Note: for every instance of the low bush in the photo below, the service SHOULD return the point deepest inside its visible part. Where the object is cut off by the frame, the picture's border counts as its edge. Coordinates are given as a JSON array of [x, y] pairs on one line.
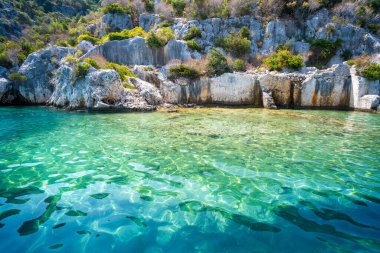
[[371, 72], [4, 61], [82, 69], [193, 45], [194, 32], [160, 38], [179, 7], [322, 51], [17, 77], [89, 38], [283, 59], [217, 63], [239, 65], [126, 34], [92, 62], [117, 8], [183, 71], [235, 45], [122, 70], [245, 32]]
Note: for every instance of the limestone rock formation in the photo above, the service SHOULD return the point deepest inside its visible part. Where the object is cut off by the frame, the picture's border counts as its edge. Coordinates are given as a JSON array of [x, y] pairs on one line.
[[39, 68], [115, 23], [6, 96], [135, 51]]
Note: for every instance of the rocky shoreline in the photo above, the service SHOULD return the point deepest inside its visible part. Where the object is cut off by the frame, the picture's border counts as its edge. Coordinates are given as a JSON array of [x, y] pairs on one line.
[[50, 79]]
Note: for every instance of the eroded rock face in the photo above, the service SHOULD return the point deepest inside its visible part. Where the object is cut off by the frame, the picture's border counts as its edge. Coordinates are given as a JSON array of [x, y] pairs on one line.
[[148, 21], [84, 46], [39, 69], [135, 51], [115, 23], [364, 93], [101, 90], [6, 96], [327, 88]]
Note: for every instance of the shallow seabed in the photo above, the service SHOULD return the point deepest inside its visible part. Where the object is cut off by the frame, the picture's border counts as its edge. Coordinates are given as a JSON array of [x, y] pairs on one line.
[[201, 180]]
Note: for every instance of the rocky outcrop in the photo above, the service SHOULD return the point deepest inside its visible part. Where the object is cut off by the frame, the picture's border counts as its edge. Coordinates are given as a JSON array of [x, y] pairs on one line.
[[327, 88], [330, 88], [101, 90], [84, 46], [135, 51], [148, 21], [39, 68], [364, 93], [6, 96], [115, 23]]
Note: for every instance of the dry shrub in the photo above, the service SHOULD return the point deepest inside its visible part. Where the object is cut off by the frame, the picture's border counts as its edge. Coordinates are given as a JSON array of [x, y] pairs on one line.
[[272, 8], [314, 5], [100, 60], [138, 6], [164, 10], [198, 64], [238, 8], [108, 2], [346, 11]]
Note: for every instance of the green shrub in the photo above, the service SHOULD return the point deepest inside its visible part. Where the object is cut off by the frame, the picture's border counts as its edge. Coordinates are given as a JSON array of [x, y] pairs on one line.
[[166, 23], [17, 77], [160, 38], [89, 38], [245, 32], [283, 59], [62, 43], [70, 59], [193, 45], [126, 34], [92, 62], [235, 45], [179, 7], [117, 8], [183, 71], [217, 63], [5, 62], [149, 5], [122, 70], [239, 65], [78, 53], [323, 50], [371, 72], [346, 55], [194, 32], [82, 69]]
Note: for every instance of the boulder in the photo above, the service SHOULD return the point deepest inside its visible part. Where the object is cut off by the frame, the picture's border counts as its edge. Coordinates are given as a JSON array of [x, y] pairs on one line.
[[39, 68], [6, 95], [148, 21], [98, 90], [85, 46], [148, 91], [115, 23], [327, 88], [369, 102]]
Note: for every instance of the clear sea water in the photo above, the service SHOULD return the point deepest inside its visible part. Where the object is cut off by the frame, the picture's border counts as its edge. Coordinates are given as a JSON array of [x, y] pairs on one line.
[[201, 180]]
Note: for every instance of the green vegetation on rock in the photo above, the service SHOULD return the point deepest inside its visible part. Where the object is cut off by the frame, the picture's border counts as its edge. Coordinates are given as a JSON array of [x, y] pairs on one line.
[[194, 32], [283, 58], [217, 63], [160, 38], [183, 71]]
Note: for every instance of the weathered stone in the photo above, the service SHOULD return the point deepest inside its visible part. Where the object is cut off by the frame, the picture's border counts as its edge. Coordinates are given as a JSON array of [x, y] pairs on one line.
[[135, 51], [6, 95], [148, 21], [85, 46], [39, 68], [115, 23], [327, 88], [148, 91]]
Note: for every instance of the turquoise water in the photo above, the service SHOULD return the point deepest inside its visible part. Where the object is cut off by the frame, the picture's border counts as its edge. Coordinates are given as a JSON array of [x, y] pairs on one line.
[[201, 180]]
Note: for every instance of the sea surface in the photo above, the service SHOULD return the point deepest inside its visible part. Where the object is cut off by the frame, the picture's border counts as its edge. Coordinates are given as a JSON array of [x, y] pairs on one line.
[[200, 180]]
